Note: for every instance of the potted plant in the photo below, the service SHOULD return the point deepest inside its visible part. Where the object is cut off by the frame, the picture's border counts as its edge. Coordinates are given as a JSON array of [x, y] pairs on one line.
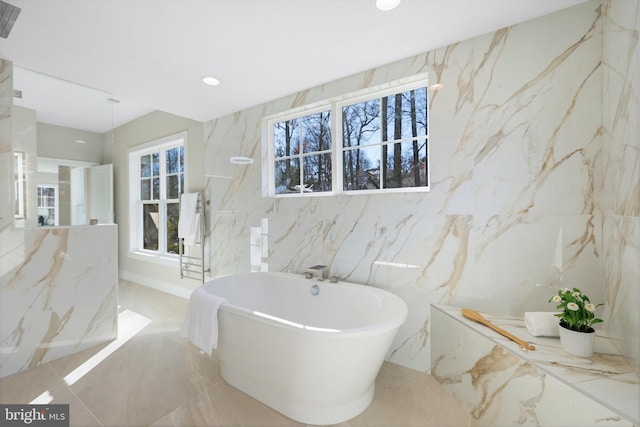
[[576, 320]]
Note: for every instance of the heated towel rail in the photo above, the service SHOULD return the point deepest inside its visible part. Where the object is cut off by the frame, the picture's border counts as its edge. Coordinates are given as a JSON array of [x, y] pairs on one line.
[[193, 263]]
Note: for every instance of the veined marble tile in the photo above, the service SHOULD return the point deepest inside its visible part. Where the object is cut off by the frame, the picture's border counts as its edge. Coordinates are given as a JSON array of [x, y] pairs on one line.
[[6, 153], [446, 350], [517, 174], [6, 213], [62, 297], [620, 112], [621, 176], [501, 383], [6, 96], [535, 256], [621, 272]]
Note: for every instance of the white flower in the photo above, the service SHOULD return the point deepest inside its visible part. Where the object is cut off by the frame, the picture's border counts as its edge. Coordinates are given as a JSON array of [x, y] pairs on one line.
[[556, 298], [590, 307], [576, 294], [573, 306]]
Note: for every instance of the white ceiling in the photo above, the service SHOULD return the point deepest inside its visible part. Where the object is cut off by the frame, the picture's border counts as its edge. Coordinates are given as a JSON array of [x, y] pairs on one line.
[[152, 54]]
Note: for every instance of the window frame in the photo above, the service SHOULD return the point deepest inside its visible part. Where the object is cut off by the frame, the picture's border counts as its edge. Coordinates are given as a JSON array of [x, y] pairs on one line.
[[136, 204], [39, 199], [295, 114], [335, 105]]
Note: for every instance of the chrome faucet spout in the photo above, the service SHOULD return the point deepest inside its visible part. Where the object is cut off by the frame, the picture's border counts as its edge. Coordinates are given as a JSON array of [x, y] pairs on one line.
[[320, 271]]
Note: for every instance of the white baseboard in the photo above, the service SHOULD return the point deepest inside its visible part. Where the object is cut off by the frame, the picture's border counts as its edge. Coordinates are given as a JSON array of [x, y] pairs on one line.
[[159, 285]]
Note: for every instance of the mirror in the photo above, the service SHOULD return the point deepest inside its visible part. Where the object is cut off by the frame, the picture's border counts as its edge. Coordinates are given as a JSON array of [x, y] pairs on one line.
[[61, 144]]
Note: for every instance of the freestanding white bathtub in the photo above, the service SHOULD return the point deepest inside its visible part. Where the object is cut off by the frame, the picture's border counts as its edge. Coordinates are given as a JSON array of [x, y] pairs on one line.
[[314, 358]]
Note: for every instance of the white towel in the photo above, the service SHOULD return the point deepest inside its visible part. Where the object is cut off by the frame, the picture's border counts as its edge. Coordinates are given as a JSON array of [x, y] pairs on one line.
[[201, 323], [542, 323], [189, 223]]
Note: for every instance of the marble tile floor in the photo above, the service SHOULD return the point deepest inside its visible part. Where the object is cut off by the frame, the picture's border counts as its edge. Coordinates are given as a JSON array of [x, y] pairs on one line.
[[156, 378]]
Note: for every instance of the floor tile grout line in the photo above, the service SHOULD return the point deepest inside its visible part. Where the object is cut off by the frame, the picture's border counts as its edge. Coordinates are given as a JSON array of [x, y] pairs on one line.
[[95, 417], [70, 390], [186, 403], [55, 372]]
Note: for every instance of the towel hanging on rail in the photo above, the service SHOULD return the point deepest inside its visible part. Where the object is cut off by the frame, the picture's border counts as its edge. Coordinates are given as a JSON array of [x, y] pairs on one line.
[[201, 323], [189, 223]]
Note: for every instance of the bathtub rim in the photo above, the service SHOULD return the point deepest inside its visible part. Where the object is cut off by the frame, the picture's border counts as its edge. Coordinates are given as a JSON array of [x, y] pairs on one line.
[[375, 328]]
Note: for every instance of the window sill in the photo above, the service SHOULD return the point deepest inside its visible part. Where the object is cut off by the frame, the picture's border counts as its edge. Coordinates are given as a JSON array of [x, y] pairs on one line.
[[402, 190], [156, 259]]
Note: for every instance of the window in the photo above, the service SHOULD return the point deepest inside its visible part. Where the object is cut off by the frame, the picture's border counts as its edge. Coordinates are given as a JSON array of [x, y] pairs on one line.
[[370, 142], [384, 142], [302, 154], [47, 205], [156, 180]]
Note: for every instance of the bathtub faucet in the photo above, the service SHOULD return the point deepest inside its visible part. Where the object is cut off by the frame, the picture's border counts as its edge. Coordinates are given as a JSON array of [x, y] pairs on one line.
[[320, 271]]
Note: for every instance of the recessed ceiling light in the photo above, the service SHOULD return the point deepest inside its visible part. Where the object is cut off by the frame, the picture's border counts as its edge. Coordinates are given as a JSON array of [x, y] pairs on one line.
[[387, 4], [79, 141], [210, 81]]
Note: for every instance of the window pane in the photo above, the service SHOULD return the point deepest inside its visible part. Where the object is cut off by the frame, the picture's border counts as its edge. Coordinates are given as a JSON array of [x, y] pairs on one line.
[[418, 110], [393, 175], [172, 187], [286, 138], [393, 119], [416, 154], [173, 160], [362, 169], [145, 166], [317, 173], [406, 165], [181, 183], [156, 164], [173, 213], [406, 115], [150, 220], [156, 188], [361, 123], [316, 132], [50, 217], [287, 176], [145, 189]]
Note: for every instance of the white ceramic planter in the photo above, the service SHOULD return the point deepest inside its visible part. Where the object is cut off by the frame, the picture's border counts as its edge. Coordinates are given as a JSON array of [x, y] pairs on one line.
[[577, 343]]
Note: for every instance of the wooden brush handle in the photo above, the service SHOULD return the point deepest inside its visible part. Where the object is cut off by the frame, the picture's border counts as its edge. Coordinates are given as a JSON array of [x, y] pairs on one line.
[[474, 315]]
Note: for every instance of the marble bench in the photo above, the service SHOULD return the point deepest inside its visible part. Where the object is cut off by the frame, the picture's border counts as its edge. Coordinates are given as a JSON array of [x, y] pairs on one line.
[[502, 384]]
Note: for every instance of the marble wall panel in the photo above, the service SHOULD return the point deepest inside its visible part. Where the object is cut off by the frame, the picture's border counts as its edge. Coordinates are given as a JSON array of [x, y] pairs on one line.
[[58, 286], [534, 255], [501, 385], [516, 182], [61, 299], [621, 176], [621, 272], [6, 90]]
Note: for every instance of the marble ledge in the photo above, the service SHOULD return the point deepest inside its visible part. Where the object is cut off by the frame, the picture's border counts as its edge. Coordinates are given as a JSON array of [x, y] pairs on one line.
[[606, 377]]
